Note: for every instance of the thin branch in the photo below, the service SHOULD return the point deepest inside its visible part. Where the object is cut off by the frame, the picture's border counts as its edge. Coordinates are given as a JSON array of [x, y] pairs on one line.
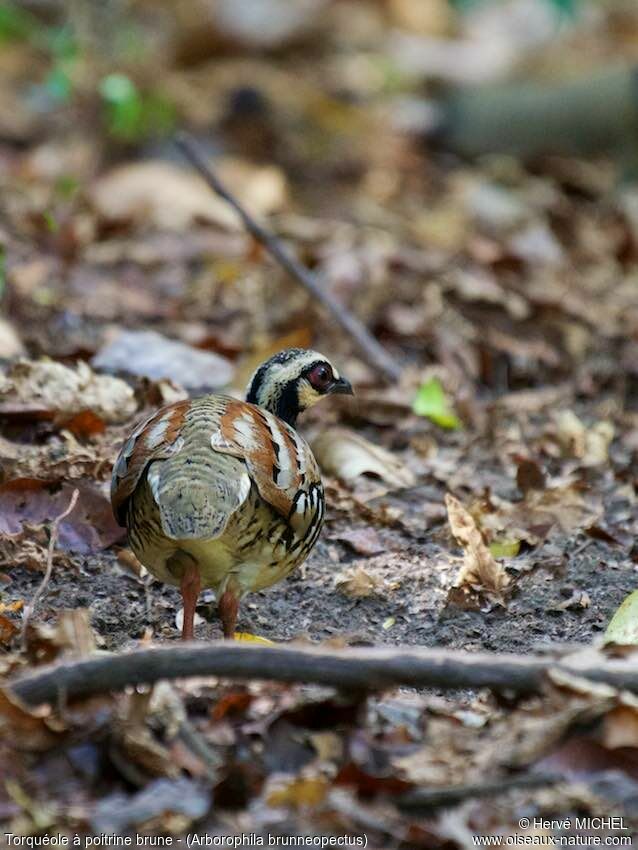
[[370, 348], [347, 669], [53, 539], [429, 799]]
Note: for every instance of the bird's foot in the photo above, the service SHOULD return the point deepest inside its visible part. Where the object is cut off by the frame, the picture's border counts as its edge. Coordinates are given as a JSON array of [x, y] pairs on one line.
[[190, 586], [228, 607]]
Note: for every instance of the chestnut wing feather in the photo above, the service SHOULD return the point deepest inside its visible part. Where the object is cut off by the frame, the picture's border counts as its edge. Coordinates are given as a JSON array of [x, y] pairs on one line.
[[279, 461], [155, 438], [197, 490]]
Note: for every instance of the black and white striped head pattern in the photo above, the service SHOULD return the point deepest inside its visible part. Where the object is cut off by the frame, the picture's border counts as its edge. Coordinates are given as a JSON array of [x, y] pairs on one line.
[[292, 381]]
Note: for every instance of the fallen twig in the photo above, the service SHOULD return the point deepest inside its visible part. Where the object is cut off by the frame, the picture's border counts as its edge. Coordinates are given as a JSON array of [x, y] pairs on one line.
[[373, 351], [53, 539], [348, 669], [428, 799]]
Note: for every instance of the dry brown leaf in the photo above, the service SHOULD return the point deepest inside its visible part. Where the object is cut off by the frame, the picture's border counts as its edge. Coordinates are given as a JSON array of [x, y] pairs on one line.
[[345, 502], [620, 726], [480, 569], [357, 583], [12, 607], [74, 634], [26, 729], [166, 196], [589, 445], [19, 550], [70, 635], [298, 793], [49, 390], [138, 747], [88, 528], [7, 629], [62, 457], [529, 475], [347, 455], [564, 507], [328, 745], [10, 342]]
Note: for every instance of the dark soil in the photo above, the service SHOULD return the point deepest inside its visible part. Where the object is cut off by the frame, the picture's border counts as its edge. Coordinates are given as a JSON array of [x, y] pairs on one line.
[[308, 607]]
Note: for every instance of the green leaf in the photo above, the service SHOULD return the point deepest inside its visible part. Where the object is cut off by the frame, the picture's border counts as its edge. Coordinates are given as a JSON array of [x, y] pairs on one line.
[[118, 88], [566, 8], [61, 43], [505, 548], [66, 186], [431, 401], [15, 23], [131, 114], [623, 627], [51, 221], [563, 7]]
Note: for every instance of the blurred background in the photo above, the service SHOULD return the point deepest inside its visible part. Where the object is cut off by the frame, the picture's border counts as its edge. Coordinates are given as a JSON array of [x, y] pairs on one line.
[[459, 174]]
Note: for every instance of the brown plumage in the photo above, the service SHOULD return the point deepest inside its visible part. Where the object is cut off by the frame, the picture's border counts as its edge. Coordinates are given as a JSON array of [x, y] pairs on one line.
[[222, 493]]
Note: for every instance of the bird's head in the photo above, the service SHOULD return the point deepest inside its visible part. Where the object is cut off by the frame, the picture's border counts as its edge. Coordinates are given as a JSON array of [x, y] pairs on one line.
[[292, 381]]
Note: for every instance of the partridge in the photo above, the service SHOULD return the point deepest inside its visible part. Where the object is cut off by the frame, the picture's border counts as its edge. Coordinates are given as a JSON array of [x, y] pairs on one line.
[[225, 494]]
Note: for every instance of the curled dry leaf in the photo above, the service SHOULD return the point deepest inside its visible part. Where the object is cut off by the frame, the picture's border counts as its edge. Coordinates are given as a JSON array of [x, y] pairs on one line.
[[88, 528], [61, 457], [70, 635], [24, 728], [43, 389], [564, 508], [620, 725], [166, 196], [589, 445], [345, 502], [578, 599], [357, 583], [347, 455], [136, 745], [623, 626], [480, 569], [20, 550]]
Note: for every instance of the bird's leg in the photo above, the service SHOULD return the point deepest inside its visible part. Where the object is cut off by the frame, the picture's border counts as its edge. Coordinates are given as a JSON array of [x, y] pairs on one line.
[[228, 608], [190, 586]]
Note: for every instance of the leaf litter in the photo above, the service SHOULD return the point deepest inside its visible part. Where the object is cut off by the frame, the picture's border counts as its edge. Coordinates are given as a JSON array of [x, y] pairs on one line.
[[508, 294]]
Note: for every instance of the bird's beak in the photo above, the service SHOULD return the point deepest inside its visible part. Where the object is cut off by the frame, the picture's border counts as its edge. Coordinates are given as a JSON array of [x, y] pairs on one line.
[[342, 387]]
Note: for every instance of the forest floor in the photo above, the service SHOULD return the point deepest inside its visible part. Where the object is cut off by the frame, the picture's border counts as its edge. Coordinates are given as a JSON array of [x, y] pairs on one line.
[[508, 294]]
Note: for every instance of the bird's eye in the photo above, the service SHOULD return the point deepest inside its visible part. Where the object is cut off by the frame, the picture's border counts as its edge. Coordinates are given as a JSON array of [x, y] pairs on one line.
[[320, 377]]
